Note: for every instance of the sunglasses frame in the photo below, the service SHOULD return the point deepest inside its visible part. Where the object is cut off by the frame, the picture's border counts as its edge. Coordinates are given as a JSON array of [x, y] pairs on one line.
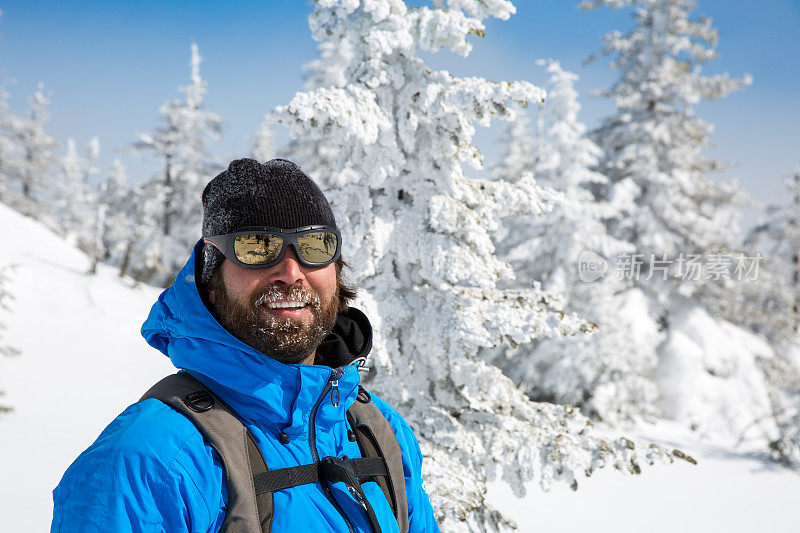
[[225, 243]]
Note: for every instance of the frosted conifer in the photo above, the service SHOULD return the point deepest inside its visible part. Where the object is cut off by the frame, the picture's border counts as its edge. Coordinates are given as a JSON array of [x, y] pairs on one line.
[[76, 195], [767, 301], [7, 143], [605, 374], [783, 377], [5, 296], [182, 144], [113, 218], [29, 166], [391, 143], [769, 304], [652, 144]]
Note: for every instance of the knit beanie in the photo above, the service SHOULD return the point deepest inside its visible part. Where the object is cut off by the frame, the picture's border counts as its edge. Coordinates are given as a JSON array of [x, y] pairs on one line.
[[276, 194]]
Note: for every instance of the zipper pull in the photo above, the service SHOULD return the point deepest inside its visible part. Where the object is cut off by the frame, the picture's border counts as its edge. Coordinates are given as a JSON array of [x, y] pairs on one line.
[[335, 393], [336, 373]]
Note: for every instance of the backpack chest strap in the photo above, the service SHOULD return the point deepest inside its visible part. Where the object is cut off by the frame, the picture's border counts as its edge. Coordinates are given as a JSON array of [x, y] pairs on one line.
[[251, 484], [330, 469]]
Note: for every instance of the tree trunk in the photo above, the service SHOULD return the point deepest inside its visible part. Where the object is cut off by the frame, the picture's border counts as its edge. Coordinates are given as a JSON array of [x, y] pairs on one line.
[[126, 259], [167, 193]]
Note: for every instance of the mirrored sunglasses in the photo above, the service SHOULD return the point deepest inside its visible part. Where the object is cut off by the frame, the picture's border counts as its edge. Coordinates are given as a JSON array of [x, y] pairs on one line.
[[262, 247]]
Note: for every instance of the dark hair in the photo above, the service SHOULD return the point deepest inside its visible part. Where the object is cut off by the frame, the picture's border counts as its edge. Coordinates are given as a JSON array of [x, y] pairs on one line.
[[347, 292]]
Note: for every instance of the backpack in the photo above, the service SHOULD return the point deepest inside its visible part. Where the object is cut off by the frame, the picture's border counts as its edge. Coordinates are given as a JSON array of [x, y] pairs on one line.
[[251, 507]]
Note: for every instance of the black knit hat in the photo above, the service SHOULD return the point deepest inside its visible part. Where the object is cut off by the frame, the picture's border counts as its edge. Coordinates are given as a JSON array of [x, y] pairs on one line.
[[276, 194]]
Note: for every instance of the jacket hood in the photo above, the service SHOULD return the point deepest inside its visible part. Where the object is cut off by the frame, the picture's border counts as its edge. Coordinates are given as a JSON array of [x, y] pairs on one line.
[[260, 389]]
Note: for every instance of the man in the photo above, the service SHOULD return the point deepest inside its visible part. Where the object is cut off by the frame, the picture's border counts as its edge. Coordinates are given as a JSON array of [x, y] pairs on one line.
[[268, 331]]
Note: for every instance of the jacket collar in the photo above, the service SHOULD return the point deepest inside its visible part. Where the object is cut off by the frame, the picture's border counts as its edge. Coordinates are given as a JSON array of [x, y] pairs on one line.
[[260, 389]]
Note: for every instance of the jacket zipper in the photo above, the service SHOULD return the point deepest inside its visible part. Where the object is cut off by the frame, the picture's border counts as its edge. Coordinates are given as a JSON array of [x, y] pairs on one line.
[[331, 385]]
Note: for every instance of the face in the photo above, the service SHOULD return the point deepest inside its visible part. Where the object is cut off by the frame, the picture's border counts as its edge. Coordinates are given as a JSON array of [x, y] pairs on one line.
[[283, 311]]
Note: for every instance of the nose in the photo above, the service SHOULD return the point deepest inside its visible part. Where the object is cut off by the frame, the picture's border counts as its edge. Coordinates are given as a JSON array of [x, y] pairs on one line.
[[288, 270]]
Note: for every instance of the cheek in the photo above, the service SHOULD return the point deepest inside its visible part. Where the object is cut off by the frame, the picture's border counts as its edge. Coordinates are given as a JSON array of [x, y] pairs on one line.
[[240, 283], [325, 283]]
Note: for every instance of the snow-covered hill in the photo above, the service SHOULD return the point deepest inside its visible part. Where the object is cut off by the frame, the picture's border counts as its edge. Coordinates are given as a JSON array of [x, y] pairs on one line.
[[83, 361]]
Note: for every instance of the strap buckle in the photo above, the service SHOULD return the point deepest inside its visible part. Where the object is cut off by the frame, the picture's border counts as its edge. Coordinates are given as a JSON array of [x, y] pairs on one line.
[[333, 469]]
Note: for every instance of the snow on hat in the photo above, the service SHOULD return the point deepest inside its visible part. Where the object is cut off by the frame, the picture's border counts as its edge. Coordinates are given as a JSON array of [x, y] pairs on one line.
[[276, 194]]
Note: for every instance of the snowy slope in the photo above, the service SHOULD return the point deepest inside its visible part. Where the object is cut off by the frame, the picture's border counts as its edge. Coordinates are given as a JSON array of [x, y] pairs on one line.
[[83, 361]]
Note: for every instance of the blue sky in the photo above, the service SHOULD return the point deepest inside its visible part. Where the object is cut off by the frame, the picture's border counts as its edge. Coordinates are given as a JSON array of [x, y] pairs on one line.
[[108, 65]]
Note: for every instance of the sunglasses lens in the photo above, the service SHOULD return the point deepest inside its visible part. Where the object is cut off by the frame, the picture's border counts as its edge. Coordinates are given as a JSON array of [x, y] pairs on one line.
[[318, 247], [257, 248]]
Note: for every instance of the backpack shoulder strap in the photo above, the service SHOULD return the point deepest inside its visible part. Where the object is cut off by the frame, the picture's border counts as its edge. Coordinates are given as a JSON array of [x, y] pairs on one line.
[[376, 438], [246, 511]]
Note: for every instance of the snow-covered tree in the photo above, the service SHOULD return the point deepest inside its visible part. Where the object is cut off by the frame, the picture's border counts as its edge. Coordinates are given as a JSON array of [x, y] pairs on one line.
[[517, 144], [182, 144], [7, 143], [113, 218], [28, 167], [783, 377], [605, 374], [264, 144], [138, 258], [392, 140], [76, 195], [652, 144], [5, 296], [768, 301]]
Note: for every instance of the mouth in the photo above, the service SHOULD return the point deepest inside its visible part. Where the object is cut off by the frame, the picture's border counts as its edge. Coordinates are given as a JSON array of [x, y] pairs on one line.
[[286, 304], [286, 308]]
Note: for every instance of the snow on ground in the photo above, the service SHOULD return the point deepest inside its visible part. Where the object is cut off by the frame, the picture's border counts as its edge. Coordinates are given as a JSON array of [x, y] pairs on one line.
[[726, 491], [710, 379], [83, 361]]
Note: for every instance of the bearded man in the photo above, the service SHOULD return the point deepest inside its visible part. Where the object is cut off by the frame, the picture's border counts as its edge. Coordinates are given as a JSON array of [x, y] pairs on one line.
[[266, 426]]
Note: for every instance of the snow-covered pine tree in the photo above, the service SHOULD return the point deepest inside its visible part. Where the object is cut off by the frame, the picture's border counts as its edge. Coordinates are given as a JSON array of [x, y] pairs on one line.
[[392, 140], [783, 378], [182, 144], [27, 168], [140, 217], [516, 141], [112, 218], [768, 303], [7, 143], [5, 296], [605, 374], [76, 196], [652, 144], [652, 155]]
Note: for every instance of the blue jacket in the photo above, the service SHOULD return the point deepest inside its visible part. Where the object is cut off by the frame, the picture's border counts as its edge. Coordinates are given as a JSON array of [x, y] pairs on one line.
[[150, 469]]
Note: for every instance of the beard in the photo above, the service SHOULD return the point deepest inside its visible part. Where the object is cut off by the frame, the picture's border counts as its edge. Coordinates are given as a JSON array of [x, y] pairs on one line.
[[286, 340]]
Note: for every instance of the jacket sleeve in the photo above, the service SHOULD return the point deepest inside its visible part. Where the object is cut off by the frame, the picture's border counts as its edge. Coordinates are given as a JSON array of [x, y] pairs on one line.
[[420, 512], [148, 471]]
